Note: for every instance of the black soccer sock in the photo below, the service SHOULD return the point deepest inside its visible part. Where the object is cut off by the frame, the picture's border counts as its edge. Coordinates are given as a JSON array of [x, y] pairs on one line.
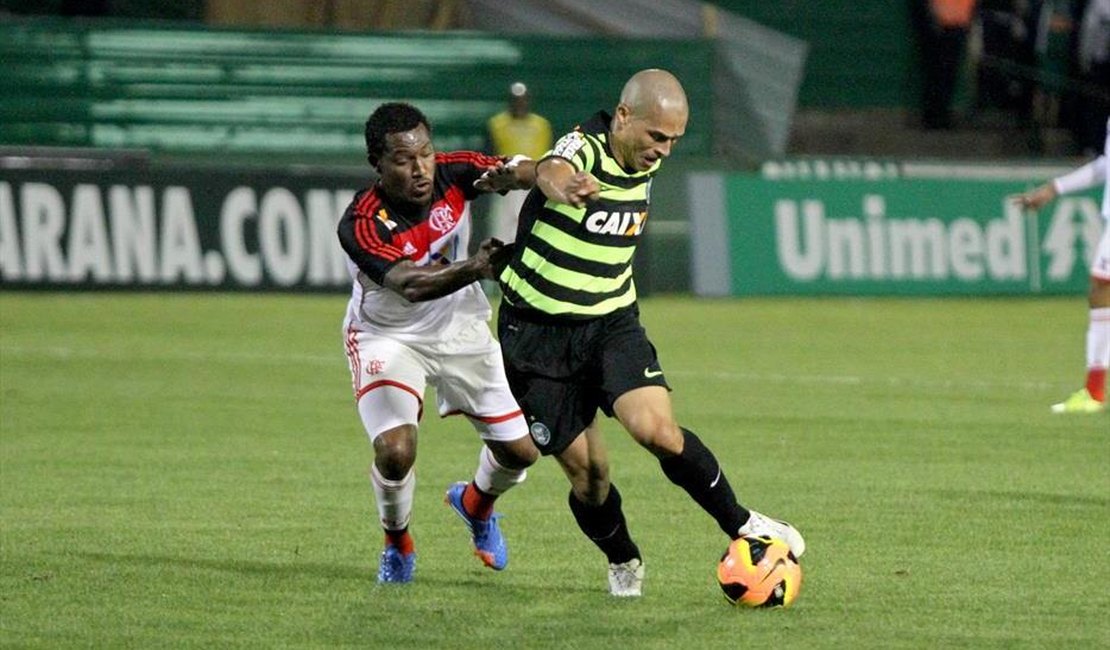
[[696, 470], [605, 526]]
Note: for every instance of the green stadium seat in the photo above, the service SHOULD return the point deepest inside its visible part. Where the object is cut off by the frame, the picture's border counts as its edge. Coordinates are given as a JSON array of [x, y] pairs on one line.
[[294, 96]]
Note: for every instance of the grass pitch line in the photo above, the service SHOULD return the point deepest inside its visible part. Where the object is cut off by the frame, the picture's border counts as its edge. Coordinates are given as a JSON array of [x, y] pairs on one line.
[[63, 353], [855, 380]]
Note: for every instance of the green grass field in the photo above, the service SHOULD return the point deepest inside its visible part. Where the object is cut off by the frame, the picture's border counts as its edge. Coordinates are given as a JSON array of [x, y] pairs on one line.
[[186, 470]]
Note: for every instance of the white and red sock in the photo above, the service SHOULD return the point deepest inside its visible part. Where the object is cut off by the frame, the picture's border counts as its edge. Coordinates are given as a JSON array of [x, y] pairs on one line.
[[393, 498], [1098, 352], [491, 480], [400, 539]]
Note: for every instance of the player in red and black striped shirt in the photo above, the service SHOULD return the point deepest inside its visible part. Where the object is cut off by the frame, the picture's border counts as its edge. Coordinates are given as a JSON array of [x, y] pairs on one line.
[[417, 316]]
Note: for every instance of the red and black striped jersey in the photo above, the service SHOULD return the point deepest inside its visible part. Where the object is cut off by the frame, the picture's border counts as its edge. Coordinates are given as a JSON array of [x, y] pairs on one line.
[[377, 236]]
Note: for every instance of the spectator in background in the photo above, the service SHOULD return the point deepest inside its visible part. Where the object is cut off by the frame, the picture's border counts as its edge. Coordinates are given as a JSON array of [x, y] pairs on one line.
[[85, 7], [515, 131], [1094, 70], [1008, 64], [942, 27], [1053, 47], [1092, 397]]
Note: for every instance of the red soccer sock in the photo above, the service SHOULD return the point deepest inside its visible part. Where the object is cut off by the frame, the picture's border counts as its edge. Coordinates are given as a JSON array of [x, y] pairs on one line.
[[1096, 383], [401, 539], [476, 503]]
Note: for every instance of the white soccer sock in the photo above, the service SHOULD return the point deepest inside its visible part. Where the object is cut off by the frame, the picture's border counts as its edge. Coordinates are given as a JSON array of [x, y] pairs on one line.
[[393, 498], [492, 478], [1098, 339]]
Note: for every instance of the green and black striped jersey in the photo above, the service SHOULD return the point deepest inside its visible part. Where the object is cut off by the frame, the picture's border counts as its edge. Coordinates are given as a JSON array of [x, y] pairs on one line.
[[576, 263]]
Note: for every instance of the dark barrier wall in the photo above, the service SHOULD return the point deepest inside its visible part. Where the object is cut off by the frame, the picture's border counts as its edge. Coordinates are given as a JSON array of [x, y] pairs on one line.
[[173, 228], [177, 227], [186, 227]]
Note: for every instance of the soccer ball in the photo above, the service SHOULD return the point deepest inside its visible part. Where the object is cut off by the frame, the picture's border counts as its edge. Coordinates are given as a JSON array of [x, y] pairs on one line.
[[759, 571]]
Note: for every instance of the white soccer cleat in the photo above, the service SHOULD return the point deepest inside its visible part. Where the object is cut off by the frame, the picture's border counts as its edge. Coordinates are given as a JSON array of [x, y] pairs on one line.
[[626, 579], [759, 524]]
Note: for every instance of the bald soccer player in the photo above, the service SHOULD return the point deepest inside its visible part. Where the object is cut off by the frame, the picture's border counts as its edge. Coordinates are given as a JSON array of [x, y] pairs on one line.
[[570, 330]]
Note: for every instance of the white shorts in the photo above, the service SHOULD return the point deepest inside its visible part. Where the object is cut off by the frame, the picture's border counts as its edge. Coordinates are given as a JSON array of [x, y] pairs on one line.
[[1100, 265], [465, 368]]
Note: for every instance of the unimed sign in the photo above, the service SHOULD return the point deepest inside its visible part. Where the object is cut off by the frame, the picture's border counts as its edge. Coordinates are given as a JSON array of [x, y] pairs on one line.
[[897, 237], [188, 228]]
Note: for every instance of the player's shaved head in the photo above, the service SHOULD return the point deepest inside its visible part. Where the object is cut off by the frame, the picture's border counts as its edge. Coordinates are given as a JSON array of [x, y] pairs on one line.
[[653, 90], [649, 120]]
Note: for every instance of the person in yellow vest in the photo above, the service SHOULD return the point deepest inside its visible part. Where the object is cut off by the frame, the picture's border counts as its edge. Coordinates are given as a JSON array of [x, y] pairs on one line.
[[515, 131]]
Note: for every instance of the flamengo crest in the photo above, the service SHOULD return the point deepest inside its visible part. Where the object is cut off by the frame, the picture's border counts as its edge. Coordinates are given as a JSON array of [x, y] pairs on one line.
[[441, 219]]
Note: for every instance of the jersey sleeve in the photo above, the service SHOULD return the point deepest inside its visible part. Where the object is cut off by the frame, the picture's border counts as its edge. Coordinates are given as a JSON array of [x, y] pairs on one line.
[[462, 168], [1086, 177], [365, 234], [576, 148]]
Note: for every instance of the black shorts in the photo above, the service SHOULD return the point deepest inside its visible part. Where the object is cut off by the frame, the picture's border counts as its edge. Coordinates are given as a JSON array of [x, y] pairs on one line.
[[561, 372]]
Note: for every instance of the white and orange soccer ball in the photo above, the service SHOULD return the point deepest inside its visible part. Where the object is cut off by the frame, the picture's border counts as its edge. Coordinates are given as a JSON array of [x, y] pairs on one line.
[[759, 571]]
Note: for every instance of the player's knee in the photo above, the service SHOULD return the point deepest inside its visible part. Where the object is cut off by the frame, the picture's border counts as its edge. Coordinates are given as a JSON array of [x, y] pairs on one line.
[[395, 452], [514, 454], [526, 453], [658, 434]]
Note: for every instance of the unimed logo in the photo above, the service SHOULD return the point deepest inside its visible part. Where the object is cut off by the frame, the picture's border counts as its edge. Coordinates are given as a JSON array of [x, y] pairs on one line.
[[874, 245]]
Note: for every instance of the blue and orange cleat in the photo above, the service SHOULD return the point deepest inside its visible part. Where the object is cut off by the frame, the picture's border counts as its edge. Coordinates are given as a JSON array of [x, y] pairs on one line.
[[489, 545], [396, 567]]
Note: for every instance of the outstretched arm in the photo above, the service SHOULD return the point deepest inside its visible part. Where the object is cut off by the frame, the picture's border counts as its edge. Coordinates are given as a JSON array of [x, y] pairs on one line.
[[519, 173], [1087, 176], [560, 182], [420, 283], [1036, 198]]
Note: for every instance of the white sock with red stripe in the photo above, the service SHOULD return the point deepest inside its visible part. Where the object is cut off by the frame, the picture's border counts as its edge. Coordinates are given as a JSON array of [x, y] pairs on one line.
[[494, 479]]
